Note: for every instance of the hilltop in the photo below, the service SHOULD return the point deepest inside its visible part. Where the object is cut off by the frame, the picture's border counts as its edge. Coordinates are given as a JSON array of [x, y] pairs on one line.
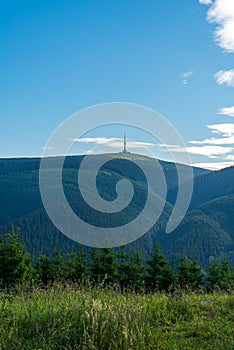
[[206, 231]]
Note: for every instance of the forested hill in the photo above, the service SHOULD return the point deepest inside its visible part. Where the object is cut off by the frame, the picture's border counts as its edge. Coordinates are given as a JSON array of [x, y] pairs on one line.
[[11, 166], [19, 180], [206, 231], [209, 186]]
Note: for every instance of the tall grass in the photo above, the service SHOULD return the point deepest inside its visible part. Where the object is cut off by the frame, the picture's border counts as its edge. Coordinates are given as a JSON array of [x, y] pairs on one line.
[[95, 318]]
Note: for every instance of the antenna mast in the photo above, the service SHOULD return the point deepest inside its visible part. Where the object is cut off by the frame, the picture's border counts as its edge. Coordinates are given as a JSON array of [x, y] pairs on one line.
[[125, 144]]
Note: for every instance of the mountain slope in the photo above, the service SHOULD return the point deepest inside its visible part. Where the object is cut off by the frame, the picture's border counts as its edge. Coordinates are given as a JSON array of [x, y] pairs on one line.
[[220, 210], [19, 189], [21, 204], [206, 231], [199, 238], [41, 235], [208, 187]]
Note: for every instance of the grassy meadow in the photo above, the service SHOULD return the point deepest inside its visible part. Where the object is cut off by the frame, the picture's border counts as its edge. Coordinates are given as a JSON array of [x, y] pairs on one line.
[[99, 318]]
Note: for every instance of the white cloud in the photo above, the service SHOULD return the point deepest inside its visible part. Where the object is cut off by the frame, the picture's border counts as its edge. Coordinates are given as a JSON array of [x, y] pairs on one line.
[[230, 157], [215, 147], [185, 76], [211, 148], [226, 129], [46, 148], [96, 140], [213, 166], [112, 142], [229, 111], [184, 82], [205, 2], [210, 151], [225, 77], [222, 13], [214, 141]]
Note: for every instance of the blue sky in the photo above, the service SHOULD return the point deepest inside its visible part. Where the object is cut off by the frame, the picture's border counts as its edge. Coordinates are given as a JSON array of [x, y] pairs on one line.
[[60, 56]]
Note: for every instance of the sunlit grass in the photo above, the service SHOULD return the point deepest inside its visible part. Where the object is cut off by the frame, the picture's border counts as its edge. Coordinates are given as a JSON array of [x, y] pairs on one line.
[[96, 318]]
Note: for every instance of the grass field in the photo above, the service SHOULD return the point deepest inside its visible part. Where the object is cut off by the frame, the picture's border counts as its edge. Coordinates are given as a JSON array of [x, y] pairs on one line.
[[95, 318]]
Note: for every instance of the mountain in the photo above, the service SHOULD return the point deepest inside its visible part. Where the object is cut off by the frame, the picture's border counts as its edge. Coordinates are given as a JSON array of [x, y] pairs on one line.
[[208, 228], [200, 238], [208, 186], [221, 211], [19, 179], [206, 231]]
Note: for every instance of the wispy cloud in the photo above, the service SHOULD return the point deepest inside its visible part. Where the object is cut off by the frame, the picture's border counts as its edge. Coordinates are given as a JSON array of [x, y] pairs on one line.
[[112, 142], [229, 111], [213, 165], [210, 148], [205, 2], [210, 151], [230, 157], [47, 148], [96, 140], [226, 131], [225, 77], [222, 13], [215, 141], [185, 76], [216, 146]]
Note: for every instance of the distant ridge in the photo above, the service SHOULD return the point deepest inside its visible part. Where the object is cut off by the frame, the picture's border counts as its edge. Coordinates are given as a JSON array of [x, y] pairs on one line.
[[21, 205]]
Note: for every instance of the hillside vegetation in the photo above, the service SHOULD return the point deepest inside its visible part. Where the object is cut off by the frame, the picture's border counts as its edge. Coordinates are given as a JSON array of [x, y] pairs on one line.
[[112, 301], [206, 231], [84, 318]]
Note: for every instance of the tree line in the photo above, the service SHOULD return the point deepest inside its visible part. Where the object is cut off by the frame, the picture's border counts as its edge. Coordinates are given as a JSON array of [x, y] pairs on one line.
[[122, 270]]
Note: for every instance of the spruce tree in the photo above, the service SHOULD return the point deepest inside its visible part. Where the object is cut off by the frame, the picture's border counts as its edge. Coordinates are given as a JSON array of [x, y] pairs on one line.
[[58, 265], [220, 275], [75, 266], [159, 273], [103, 267], [130, 270], [190, 275], [44, 272], [15, 262]]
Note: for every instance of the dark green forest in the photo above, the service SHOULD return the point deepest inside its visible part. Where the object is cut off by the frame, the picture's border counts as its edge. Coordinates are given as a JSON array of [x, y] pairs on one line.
[[205, 234], [105, 267]]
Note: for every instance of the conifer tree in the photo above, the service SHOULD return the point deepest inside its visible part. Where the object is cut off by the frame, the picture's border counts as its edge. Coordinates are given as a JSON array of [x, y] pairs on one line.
[[220, 275], [138, 272], [103, 267], [189, 274], [15, 262], [75, 266], [44, 269], [58, 265], [159, 273], [130, 270]]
